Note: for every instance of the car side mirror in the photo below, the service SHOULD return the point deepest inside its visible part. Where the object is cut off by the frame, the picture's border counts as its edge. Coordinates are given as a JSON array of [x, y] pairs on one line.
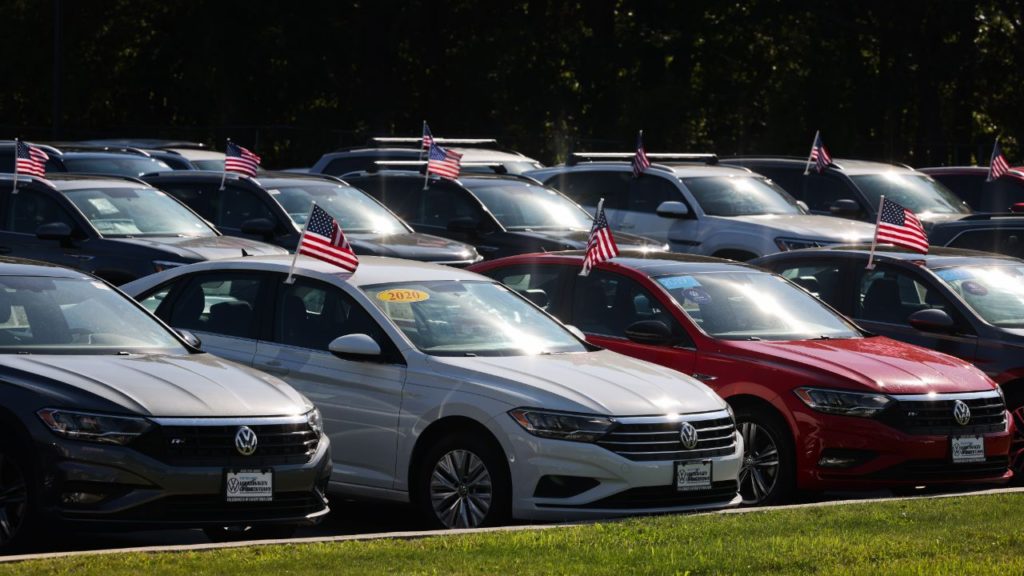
[[259, 227], [803, 205], [845, 207], [54, 231], [653, 332], [190, 338], [672, 209], [931, 320], [354, 347]]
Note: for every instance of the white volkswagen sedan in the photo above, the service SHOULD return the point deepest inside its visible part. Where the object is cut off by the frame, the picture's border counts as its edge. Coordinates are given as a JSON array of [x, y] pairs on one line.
[[444, 388]]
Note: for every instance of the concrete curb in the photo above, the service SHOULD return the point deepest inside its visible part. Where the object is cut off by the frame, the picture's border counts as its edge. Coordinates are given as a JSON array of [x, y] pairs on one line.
[[435, 533]]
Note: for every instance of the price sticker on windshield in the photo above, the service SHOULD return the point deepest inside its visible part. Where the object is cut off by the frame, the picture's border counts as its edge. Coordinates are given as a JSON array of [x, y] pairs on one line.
[[403, 295]]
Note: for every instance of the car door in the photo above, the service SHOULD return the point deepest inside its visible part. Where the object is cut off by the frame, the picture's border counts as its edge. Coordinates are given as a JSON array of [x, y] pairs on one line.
[[359, 400], [640, 215], [606, 303], [24, 211]]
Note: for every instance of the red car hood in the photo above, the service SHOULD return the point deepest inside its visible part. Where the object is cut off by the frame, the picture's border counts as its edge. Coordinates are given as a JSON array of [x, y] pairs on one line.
[[875, 363]]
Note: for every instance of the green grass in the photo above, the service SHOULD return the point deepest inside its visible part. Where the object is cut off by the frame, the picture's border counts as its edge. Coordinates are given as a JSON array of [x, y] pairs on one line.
[[962, 535]]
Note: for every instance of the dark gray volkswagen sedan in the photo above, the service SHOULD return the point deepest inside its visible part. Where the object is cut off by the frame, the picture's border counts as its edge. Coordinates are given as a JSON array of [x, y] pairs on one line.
[[110, 419]]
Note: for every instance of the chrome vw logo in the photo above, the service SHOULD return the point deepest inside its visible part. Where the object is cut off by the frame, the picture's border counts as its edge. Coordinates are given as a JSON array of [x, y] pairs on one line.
[[688, 436], [245, 441], [961, 412]]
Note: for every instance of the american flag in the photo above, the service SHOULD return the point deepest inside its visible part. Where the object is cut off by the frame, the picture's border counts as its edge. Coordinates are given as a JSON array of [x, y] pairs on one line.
[[640, 160], [899, 226], [443, 162], [819, 154], [998, 165], [324, 240], [29, 160], [428, 138], [241, 160], [601, 245]]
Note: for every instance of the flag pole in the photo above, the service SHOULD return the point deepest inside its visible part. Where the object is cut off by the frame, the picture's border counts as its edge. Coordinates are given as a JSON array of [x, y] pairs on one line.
[[807, 168], [426, 172], [14, 190], [295, 258], [224, 175], [874, 239], [422, 134]]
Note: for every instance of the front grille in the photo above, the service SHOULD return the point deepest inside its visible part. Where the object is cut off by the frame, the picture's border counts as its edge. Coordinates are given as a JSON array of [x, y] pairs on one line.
[[662, 497], [938, 470], [198, 445], [213, 508], [657, 438], [933, 415]]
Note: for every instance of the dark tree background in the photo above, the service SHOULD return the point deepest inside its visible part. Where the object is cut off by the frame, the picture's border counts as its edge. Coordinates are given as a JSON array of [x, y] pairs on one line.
[[921, 82]]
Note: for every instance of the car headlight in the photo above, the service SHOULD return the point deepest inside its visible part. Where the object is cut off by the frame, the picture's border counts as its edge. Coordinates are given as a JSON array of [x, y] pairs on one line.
[[161, 265], [316, 422], [88, 427], [786, 244], [562, 425], [844, 403], [732, 414]]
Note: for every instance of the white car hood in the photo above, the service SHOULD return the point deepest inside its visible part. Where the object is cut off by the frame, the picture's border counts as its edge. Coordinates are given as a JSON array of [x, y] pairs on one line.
[[602, 382], [811, 226]]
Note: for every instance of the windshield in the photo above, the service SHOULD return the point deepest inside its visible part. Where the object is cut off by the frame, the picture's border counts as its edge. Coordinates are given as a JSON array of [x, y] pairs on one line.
[[351, 207], [919, 193], [74, 316], [475, 318], [996, 293], [740, 196], [525, 206], [124, 212], [126, 165], [754, 306]]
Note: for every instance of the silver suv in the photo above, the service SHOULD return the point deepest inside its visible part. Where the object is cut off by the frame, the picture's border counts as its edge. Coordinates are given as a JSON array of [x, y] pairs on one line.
[[697, 206]]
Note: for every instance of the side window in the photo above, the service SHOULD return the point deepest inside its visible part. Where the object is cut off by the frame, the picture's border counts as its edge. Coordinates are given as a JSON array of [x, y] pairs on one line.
[[822, 280], [239, 205], [400, 195], [153, 300], [891, 295], [1009, 241], [340, 166], [540, 284], [204, 199], [648, 191], [1000, 194], [440, 204], [790, 180], [588, 187], [606, 304], [310, 314], [820, 191], [222, 303], [30, 209], [967, 187]]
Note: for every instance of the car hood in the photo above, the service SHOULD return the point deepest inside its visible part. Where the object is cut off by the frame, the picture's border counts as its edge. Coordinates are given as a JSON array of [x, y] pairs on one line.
[[577, 240], [809, 226], [601, 382], [206, 247], [192, 385], [413, 246], [929, 219], [877, 364]]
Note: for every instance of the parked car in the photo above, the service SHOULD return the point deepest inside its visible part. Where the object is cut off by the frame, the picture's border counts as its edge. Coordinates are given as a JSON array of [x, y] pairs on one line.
[[853, 188], [697, 206], [274, 208], [110, 419], [475, 151], [452, 391], [971, 184], [116, 228], [986, 232], [500, 215], [821, 404]]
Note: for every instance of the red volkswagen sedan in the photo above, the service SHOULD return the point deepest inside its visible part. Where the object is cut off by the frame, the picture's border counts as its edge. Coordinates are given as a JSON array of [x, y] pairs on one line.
[[822, 405]]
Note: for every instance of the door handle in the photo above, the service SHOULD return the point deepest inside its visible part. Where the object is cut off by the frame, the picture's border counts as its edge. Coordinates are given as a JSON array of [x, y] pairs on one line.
[[704, 377]]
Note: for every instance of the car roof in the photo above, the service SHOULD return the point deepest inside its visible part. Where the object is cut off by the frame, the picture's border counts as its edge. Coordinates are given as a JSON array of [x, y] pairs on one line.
[[469, 154], [678, 169], [652, 264], [849, 166], [937, 257], [196, 154], [262, 179], [22, 267], [75, 181]]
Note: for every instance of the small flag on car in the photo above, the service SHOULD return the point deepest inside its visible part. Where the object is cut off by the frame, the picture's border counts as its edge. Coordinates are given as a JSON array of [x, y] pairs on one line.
[[998, 165], [428, 138], [29, 159], [443, 162], [819, 155], [601, 246], [240, 160], [640, 160], [324, 240], [898, 226]]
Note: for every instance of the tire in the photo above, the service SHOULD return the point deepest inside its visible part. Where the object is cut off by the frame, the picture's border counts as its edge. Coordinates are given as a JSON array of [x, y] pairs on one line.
[[462, 481], [18, 508], [241, 533], [768, 473]]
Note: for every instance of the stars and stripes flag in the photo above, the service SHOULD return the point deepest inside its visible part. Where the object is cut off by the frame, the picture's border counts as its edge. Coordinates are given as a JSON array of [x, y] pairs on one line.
[[428, 138], [29, 160], [323, 239], [640, 160], [443, 162], [899, 226], [601, 246], [240, 160], [998, 165], [819, 154]]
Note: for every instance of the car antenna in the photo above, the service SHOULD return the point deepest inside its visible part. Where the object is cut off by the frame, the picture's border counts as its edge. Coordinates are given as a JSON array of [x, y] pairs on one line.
[[244, 253]]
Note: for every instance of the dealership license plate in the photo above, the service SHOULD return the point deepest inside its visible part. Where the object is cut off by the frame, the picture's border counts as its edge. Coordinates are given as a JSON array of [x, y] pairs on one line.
[[967, 449], [693, 476], [249, 485]]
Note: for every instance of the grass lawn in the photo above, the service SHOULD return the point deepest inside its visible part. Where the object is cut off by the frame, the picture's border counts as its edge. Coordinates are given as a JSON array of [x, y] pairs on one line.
[[962, 535]]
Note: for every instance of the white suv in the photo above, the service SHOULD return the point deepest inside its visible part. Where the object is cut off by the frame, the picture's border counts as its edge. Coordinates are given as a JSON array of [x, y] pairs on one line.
[[697, 206], [448, 389]]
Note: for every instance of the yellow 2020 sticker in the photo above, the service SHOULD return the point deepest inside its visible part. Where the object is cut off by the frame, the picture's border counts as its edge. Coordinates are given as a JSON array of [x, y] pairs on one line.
[[403, 295]]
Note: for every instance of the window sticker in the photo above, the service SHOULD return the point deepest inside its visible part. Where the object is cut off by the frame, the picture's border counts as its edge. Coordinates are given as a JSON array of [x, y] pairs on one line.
[[273, 191], [676, 282], [103, 206], [403, 295], [698, 295]]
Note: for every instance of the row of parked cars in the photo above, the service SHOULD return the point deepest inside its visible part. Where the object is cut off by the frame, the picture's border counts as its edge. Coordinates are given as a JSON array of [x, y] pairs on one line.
[[230, 399]]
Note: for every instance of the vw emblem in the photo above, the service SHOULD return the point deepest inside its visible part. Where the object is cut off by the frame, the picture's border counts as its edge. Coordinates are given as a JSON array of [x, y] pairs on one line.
[[245, 441], [961, 412], [688, 436]]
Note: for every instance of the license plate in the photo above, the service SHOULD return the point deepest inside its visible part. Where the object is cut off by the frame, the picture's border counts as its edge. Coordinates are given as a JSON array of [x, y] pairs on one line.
[[967, 449], [693, 476], [249, 485]]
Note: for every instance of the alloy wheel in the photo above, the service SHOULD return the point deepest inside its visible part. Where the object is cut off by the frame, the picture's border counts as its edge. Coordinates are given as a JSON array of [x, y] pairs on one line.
[[13, 499], [460, 489], [760, 470]]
